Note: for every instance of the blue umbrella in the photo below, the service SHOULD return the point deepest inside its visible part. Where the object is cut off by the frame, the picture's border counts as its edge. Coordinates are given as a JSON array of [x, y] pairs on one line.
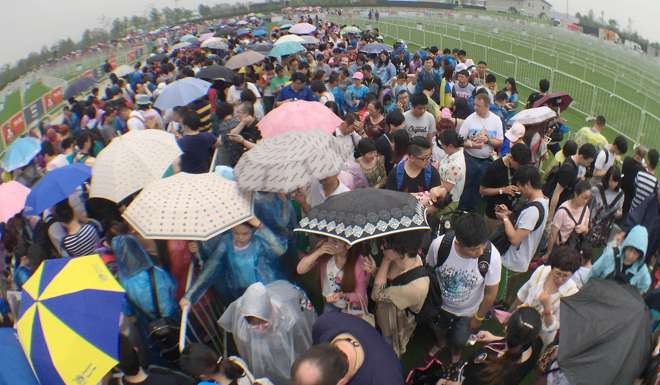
[[20, 153], [181, 93], [55, 187], [375, 48], [242, 31], [14, 366], [79, 86], [286, 48], [259, 32]]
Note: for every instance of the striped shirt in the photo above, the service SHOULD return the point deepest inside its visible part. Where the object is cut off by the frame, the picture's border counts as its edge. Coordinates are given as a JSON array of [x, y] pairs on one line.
[[645, 185], [83, 242], [203, 109]]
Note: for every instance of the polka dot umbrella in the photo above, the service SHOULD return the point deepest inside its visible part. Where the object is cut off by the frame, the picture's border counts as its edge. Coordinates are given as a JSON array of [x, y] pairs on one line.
[[189, 206]]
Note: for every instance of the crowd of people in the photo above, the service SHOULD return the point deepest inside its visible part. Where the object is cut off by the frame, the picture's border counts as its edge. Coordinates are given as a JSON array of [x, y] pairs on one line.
[[520, 219]]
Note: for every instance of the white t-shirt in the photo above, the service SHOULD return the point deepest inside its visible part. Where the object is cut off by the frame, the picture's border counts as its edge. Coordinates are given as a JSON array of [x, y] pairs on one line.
[[461, 283], [601, 164], [474, 124], [332, 281], [135, 121], [517, 258], [351, 139], [234, 94], [316, 195], [421, 126], [58, 161]]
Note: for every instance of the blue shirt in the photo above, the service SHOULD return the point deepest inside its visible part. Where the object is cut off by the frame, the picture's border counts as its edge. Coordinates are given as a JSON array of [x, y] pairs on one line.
[[355, 97], [338, 93], [288, 93]]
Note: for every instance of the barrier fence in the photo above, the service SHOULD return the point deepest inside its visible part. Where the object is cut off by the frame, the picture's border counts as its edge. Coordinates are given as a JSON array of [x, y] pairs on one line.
[[56, 79], [624, 116]]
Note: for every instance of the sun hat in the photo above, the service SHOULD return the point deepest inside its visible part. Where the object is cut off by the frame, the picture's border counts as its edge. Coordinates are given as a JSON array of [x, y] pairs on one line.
[[516, 132], [142, 99]]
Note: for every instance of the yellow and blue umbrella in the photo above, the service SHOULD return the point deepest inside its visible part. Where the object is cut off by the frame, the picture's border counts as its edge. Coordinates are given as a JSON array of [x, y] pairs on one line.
[[69, 321]]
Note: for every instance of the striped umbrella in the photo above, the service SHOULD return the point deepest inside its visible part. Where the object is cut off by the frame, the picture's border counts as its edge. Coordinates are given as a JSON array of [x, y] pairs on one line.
[[68, 322]]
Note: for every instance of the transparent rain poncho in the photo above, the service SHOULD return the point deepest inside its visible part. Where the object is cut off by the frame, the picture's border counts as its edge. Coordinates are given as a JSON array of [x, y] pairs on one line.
[[270, 350]]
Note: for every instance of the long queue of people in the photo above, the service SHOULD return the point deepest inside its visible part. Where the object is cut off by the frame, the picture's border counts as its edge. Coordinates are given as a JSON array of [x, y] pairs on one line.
[[519, 222]]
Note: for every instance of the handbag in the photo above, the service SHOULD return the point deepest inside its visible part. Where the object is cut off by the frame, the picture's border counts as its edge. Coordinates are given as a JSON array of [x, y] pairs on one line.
[[363, 313], [548, 356]]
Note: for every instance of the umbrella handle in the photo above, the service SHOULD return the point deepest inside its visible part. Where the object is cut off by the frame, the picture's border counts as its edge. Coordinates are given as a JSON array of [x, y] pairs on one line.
[[183, 328]]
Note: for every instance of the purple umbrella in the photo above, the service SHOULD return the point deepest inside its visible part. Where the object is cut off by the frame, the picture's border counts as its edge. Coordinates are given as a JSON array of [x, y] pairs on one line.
[[302, 29]]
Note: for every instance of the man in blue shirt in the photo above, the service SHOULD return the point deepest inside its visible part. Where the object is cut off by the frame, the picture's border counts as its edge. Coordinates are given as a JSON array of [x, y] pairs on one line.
[[136, 76], [428, 73], [297, 90]]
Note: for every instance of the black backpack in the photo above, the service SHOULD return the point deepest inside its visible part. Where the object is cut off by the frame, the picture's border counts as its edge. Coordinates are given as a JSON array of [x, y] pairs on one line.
[[499, 238], [433, 301], [553, 178], [601, 225]]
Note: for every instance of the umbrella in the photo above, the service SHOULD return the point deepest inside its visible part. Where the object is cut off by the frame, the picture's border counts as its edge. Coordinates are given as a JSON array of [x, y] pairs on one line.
[[206, 36], [224, 30], [259, 32], [298, 115], [363, 214], [188, 206], [261, 47], [123, 70], [82, 84], [286, 26], [556, 99], [14, 366], [156, 58], [56, 186], [605, 334], [289, 38], [216, 72], [302, 29], [131, 161], [242, 22], [20, 153], [189, 39], [69, 320], [310, 39], [181, 92], [180, 45], [351, 30], [244, 59], [215, 43], [13, 199], [290, 161], [286, 48], [242, 31], [375, 48], [534, 115]]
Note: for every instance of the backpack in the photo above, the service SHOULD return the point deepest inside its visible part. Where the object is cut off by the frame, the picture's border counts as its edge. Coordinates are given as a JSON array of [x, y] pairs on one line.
[[592, 167], [400, 171], [499, 238], [553, 178], [602, 223], [576, 241], [433, 301]]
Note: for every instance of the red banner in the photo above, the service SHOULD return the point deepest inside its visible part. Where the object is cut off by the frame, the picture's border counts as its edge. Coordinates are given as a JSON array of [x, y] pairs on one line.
[[14, 128]]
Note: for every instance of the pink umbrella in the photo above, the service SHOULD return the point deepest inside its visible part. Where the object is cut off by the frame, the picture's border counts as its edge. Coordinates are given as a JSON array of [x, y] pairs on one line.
[[13, 199], [206, 36], [298, 116], [302, 29]]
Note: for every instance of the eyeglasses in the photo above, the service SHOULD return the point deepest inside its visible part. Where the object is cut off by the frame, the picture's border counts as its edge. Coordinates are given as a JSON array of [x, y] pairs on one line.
[[424, 158]]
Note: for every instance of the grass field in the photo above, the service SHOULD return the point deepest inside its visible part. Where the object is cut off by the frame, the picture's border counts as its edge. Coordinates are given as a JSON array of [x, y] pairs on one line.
[[35, 92], [12, 106]]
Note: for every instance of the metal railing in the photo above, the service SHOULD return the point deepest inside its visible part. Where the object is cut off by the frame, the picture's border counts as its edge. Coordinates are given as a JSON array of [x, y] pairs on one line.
[[625, 117]]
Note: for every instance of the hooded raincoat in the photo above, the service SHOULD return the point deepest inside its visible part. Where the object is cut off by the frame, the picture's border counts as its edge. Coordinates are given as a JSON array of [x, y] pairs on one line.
[[637, 274], [289, 314]]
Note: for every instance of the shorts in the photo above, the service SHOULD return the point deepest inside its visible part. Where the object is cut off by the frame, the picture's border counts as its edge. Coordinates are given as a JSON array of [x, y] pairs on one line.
[[451, 329]]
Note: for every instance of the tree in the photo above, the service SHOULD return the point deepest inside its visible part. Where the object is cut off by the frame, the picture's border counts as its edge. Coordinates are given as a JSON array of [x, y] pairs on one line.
[[613, 24], [204, 10], [155, 18], [591, 15]]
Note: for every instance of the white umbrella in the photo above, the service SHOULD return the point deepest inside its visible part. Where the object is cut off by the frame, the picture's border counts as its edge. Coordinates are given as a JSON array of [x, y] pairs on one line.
[[310, 39], [293, 38], [289, 161], [189, 206], [123, 70], [180, 45], [534, 115], [215, 43], [181, 92], [130, 162]]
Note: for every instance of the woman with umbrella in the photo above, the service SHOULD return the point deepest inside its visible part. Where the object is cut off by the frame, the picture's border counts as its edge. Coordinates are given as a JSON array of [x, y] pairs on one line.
[[247, 254]]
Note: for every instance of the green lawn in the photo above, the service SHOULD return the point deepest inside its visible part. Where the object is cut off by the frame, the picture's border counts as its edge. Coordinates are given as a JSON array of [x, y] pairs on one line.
[[35, 92], [12, 106]]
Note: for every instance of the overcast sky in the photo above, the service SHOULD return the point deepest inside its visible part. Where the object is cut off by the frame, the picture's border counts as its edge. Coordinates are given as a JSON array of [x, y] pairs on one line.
[[27, 25]]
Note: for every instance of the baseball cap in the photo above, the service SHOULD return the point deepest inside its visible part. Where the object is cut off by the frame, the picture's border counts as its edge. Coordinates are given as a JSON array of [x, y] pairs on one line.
[[516, 132], [358, 75]]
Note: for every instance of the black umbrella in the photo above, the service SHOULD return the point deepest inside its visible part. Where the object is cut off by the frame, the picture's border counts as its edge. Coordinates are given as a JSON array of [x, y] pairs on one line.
[[261, 47], [363, 214], [79, 86], [605, 334], [225, 30], [216, 72], [157, 58]]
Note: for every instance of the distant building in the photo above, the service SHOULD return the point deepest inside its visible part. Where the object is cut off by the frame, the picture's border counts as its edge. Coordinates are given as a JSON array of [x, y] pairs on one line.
[[535, 8]]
